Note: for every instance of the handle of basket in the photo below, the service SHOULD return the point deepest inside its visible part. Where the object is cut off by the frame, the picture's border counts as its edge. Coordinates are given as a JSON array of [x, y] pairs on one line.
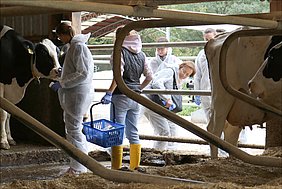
[[91, 115]]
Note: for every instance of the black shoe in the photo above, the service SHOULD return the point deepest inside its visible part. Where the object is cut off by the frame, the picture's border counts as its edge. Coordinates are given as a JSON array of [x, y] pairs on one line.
[[141, 169], [125, 169]]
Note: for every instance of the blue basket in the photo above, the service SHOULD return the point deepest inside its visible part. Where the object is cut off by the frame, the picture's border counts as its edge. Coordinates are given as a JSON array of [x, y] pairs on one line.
[[103, 133]]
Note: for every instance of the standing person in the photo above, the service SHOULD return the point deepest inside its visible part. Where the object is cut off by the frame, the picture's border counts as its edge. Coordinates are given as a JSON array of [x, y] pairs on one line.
[[133, 65], [164, 57], [75, 89], [202, 77], [163, 79]]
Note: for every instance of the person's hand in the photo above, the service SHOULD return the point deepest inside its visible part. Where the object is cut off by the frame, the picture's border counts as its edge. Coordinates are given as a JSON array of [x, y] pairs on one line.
[[172, 107], [55, 86], [169, 104], [107, 98], [197, 100]]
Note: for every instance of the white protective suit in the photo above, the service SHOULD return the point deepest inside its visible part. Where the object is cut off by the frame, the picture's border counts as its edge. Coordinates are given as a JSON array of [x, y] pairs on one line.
[[202, 81], [157, 63], [163, 79], [161, 125], [77, 92]]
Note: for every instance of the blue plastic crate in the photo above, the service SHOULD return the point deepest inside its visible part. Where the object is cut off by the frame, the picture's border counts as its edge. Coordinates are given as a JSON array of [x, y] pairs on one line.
[[104, 133]]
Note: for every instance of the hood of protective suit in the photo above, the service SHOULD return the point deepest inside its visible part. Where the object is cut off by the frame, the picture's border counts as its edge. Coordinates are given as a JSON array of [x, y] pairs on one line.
[[133, 43], [166, 58], [82, 38]]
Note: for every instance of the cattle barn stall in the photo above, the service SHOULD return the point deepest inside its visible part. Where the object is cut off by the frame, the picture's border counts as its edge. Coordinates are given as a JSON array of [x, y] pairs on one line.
[[141, 11]]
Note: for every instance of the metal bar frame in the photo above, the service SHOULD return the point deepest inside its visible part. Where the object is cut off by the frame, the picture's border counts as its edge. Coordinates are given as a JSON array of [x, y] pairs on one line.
[[192, 141], [211, 138], [151, 45], [222, 67], [90, 163]]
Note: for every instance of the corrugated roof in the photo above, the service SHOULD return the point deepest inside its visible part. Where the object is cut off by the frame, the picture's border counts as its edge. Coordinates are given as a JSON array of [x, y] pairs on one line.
[[103, 24]]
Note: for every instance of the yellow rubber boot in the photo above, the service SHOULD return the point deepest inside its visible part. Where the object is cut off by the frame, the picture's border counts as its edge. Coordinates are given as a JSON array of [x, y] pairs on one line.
[[116, 160], [135, 155]]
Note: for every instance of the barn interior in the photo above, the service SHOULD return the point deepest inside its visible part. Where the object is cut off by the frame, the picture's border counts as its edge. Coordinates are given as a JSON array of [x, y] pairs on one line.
[[36, 20]]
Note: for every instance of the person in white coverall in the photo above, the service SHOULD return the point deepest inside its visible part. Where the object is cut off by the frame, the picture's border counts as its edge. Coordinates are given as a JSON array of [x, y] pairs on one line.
[[163, 79], [75, 89], [163, 59], [202, 77]]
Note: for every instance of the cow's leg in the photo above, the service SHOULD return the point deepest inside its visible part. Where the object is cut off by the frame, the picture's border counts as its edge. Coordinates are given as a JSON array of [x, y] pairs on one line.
[[215, 129], [232, 133], [218, 120], [8, 131], [3, 140]]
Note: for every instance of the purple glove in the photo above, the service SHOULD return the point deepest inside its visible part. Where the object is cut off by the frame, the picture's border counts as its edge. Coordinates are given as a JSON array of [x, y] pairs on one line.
[[55, 86], [107, 98]]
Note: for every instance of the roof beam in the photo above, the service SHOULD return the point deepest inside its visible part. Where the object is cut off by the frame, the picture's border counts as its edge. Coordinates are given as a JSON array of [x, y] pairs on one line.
[[140, 11], [23, 10], [150, 3]]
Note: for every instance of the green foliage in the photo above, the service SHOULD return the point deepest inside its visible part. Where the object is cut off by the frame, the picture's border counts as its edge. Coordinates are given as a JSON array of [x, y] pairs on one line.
[[179, 34], [100, 41], [188, 109], [225, 7]]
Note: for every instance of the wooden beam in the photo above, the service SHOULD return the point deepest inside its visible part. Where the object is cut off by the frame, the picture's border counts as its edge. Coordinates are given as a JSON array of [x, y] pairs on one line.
[[76, 21], [274, 15], [275, 5], [139, 11], [151, 3], [22, 10]]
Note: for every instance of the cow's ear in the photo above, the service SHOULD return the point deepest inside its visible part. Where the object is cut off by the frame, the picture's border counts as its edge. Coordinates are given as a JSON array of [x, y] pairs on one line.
[[29, 46]]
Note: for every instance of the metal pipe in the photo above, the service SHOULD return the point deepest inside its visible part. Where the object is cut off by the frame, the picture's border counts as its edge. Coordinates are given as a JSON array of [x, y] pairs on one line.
[[178, 92], [142, 11], [107, 57], [152, 45], [90, 163], [222, 67], [159, 91], [211, 138], [192, 141]]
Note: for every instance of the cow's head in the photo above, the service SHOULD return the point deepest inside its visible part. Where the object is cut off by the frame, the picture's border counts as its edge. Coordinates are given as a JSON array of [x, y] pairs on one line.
[[46, 60], [273, 67], [267, 82]]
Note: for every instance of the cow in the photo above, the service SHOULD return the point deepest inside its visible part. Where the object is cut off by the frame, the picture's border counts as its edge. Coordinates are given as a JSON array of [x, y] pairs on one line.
[[244, 57], [268, 79], [20, 62]]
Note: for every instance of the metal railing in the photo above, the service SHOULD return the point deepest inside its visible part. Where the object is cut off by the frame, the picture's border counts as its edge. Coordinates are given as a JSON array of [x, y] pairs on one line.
[[209, 137]]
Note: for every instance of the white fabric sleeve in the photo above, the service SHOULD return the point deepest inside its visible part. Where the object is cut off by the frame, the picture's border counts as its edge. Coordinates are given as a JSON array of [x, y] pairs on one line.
[[80, 61], [198, 74], [163, 80], [147, 72]]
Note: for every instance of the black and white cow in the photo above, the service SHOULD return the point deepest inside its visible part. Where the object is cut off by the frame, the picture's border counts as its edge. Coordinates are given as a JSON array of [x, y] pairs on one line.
[[20, 62], [267, 82], [244, 57]]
